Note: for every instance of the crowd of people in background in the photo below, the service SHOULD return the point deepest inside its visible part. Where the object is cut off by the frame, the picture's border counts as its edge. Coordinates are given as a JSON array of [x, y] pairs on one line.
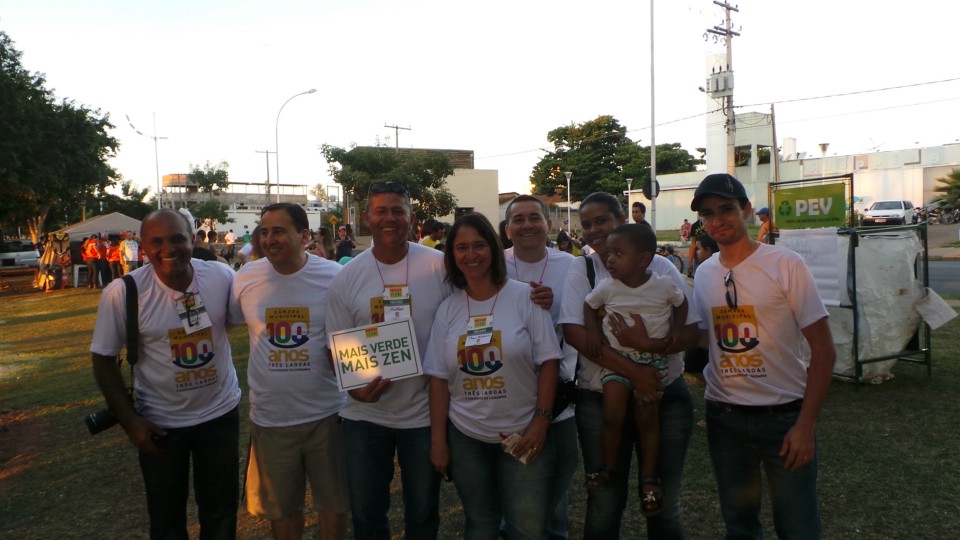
[[535, 355]]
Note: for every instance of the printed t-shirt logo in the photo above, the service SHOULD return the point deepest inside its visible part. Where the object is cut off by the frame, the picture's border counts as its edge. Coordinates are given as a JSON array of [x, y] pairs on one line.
[[736, 332], [480, 360], [191, 351], [288, 327], [735, 328]]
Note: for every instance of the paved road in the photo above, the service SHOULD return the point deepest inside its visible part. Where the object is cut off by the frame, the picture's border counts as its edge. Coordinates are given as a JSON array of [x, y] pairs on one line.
[[937, 235], [945, 278]]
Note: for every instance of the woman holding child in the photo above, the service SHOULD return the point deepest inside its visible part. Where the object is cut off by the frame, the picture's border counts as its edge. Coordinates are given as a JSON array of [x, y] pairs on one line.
[[600, 214], [493, 362]]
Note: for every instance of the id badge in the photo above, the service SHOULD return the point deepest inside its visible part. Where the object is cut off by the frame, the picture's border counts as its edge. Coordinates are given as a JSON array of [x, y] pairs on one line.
[[396, 303], [193, 314], [479, 330]]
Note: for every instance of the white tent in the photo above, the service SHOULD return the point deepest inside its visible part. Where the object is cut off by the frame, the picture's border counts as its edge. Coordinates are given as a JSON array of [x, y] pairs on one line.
[[106, 224]]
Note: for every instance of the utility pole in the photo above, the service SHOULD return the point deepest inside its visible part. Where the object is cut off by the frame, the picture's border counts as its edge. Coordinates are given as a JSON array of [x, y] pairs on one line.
[[721, 82], [267, 155], [396, 134]]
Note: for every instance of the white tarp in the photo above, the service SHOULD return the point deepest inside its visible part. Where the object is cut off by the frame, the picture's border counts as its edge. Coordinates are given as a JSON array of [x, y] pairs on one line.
[[106, 224], [887, 290]]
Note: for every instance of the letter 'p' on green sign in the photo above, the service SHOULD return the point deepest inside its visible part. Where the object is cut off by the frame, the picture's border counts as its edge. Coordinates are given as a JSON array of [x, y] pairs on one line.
[[810, 207]]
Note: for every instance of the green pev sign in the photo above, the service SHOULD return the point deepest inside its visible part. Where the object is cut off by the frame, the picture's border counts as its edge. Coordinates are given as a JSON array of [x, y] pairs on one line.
[[810, 207]]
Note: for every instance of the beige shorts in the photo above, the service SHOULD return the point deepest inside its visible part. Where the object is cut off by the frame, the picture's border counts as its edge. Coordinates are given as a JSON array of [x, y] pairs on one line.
[[281, 461]]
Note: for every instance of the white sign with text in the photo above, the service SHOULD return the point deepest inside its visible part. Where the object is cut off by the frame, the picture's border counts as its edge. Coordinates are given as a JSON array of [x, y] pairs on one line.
[[387, 350]]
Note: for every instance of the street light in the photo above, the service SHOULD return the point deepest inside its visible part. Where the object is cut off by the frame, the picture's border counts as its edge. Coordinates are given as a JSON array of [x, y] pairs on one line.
[[568, 175], [156, 156], [629, 189], [276, 153]]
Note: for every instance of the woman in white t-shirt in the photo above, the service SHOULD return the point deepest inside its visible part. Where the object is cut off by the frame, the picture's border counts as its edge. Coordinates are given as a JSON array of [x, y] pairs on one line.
[[493, 362]]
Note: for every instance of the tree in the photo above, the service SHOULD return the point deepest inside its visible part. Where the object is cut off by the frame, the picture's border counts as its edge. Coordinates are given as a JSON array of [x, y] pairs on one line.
[[422, 173], [130, 202], [211, 212], [601, 158], [53, 154], [319, 192], [210, 179], [949, 191]]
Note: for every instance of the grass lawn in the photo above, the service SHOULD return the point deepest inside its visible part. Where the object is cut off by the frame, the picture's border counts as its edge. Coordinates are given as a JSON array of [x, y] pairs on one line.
[[889, 459]]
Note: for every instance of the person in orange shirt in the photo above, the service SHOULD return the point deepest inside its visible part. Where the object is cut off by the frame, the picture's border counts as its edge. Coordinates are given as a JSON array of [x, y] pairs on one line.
[[113, 259], [90, 256], [766, 225]]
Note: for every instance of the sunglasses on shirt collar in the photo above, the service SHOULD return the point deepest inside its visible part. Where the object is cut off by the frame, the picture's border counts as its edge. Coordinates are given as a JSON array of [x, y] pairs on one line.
[[731, 293]]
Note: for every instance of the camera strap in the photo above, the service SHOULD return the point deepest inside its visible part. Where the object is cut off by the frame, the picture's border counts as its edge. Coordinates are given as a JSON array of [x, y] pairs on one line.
[[133, 321], [133, 325]]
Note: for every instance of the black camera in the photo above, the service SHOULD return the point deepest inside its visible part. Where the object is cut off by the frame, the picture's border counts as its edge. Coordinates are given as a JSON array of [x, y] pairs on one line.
[[100, 421], [105, 419]]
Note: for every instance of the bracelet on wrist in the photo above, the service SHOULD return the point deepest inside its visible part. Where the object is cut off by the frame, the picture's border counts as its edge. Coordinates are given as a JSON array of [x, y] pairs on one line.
[[546, 413]]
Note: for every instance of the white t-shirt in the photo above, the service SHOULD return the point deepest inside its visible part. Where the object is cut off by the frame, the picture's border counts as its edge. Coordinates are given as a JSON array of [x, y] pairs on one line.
[[553, 268], [245, 250], [571, 312], [757, 358], [289, 372], [493, 387], [129, 249], [181, 379], [653, 301], [229, 238], [355, 299]]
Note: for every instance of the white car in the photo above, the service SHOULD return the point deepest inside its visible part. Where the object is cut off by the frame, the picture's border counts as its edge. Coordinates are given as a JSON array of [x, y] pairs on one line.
[[882, 213], [18, 255]]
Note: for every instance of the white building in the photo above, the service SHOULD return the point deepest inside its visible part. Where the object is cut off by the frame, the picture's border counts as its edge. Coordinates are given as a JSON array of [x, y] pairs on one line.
[[909, 174]]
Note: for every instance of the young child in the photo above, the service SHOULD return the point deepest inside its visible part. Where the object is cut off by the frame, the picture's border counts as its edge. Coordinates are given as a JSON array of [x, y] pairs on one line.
[[706, 247], [657, 299]]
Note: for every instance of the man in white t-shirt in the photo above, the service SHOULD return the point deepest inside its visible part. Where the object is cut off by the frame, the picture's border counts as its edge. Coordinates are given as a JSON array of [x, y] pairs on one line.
[[387, 418], [545, 270], [185, 382], [757, 304], [229, 239], [295, 433], [128, 252]]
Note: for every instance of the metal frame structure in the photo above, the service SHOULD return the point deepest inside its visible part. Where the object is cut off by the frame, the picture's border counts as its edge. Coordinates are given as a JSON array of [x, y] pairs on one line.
[[918, 350]]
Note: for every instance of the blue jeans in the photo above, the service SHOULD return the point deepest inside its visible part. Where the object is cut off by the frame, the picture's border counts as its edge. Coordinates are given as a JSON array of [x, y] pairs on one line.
[[370, 451], [740, 443], [493, 483], [605, 507], [563, 438], [214, 448]]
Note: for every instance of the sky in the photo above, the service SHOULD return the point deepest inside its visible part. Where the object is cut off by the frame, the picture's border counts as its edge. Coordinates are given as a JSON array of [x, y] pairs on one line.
[[493, 77]]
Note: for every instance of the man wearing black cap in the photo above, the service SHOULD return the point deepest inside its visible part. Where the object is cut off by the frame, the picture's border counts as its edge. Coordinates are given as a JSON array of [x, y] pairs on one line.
[[757, 303], [766, 225]]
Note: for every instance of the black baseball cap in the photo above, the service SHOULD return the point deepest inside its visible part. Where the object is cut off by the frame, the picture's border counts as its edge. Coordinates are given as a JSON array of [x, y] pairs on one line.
[[720, 185]]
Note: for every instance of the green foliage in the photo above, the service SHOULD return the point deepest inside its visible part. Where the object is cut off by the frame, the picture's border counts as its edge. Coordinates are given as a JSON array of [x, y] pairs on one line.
[[601, 158], [130, 202], [212, 179], [319, 192], [211, 212], [423, 173], [950, 190], [53, 153]]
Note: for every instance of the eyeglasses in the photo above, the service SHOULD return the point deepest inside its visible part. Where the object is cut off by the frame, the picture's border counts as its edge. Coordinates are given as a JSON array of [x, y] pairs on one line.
[[731, 294], [387, 187]]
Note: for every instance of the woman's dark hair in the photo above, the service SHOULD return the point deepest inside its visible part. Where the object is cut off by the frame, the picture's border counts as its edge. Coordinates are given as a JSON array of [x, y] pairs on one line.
[[606, 199], [562, 236], [504, 241], [498, 263]]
